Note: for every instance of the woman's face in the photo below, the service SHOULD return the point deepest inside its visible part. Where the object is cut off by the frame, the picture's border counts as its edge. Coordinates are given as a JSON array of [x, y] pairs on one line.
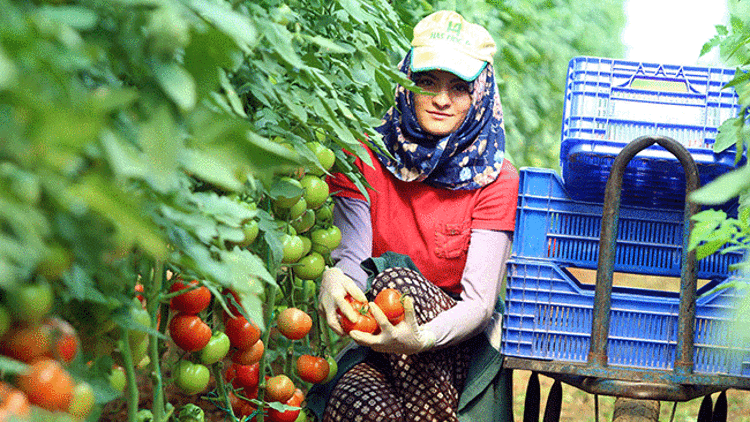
[[442, 113]]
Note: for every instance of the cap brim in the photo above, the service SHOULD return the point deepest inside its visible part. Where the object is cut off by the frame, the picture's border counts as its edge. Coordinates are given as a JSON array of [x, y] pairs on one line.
[[426, 58]]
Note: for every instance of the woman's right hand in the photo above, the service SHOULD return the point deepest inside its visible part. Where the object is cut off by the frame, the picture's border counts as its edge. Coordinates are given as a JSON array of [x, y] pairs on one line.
[[333, 290]]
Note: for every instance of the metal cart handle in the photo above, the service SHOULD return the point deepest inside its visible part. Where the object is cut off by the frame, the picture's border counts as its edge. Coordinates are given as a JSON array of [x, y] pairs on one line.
[[607, 244]]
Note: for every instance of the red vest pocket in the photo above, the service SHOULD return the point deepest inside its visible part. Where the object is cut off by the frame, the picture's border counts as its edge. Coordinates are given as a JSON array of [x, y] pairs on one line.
[[452, 240]]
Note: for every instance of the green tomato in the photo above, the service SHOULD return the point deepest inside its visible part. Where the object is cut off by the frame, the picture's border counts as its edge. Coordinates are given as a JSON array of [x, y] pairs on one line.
[[305, 222], [216, 349], [310, 266], [316, 190], [324, 241], [307, 243], [324, 214], [292, 248], [82, 401], [333, 368], [191, 413], [289, 189], [191, 378], [32, 302], [326, 158], [118, 379], [250, 230]]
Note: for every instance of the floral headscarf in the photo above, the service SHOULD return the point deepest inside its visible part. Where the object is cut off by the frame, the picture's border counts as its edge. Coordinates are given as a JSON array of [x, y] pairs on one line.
[[469, 158]]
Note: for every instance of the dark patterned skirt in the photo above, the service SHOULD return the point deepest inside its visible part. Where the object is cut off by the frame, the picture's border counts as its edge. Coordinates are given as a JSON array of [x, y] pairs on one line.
[[389, 387]]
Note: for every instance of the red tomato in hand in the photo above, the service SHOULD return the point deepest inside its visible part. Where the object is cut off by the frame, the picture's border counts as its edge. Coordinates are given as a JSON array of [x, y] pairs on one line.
[[288, 415], [192, 301], [47, 384], [390, 302], [293, 323], [313, 369], [242, 333], [365, 320], [189, 332]]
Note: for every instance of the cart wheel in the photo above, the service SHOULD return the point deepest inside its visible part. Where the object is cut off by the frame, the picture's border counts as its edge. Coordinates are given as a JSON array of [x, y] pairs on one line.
[[632, 410]]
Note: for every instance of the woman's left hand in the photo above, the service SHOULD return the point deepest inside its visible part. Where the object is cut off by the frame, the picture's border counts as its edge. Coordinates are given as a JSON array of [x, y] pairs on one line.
[[406, 337]]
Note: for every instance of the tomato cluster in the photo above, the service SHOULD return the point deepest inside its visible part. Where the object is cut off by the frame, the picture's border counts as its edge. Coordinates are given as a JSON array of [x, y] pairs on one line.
[[46, 345]]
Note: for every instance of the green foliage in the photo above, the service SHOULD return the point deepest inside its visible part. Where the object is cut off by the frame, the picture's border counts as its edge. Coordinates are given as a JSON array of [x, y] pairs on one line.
[[714, 230]]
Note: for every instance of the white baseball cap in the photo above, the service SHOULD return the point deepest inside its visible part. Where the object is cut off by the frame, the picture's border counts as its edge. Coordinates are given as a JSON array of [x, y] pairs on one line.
[[444, 40]]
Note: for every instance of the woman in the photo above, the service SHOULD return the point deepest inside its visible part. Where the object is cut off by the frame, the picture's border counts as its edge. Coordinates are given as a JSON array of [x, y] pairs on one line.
[[438, 218]]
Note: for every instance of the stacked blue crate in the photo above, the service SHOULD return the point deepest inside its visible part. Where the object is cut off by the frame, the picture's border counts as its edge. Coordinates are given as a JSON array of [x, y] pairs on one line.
[[609, 102], [549, 312]]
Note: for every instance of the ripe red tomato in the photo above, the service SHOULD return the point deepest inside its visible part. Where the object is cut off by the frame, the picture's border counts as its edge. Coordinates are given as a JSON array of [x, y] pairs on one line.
[[242, 333], [390, 302], [13, 402], [250, 355], [47, 384], [241, 407], [64, 340], [192, 301], [26, 343], [288, 415], [365, 320], [313, 369], [365, 323], [293, 323], [245, 377], [279, 388], [189, 332]]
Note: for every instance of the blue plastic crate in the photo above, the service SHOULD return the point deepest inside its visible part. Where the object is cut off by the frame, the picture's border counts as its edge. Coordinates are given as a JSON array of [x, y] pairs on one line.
[[609, 102], [551, 225], [548, 315]]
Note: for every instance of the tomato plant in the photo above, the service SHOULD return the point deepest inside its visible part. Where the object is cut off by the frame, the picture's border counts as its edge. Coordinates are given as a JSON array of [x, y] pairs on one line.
[[47, 385], [313, 369], [216, 348], [279, 388], [189, 332], [241, 332], [191, 378], [4, 320], [293, 323], [195, 299], [390, 301], [326, 157]]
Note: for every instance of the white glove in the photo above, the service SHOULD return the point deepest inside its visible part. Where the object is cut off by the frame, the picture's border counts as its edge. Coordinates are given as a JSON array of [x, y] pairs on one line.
[[333, 290], [406, 337]]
